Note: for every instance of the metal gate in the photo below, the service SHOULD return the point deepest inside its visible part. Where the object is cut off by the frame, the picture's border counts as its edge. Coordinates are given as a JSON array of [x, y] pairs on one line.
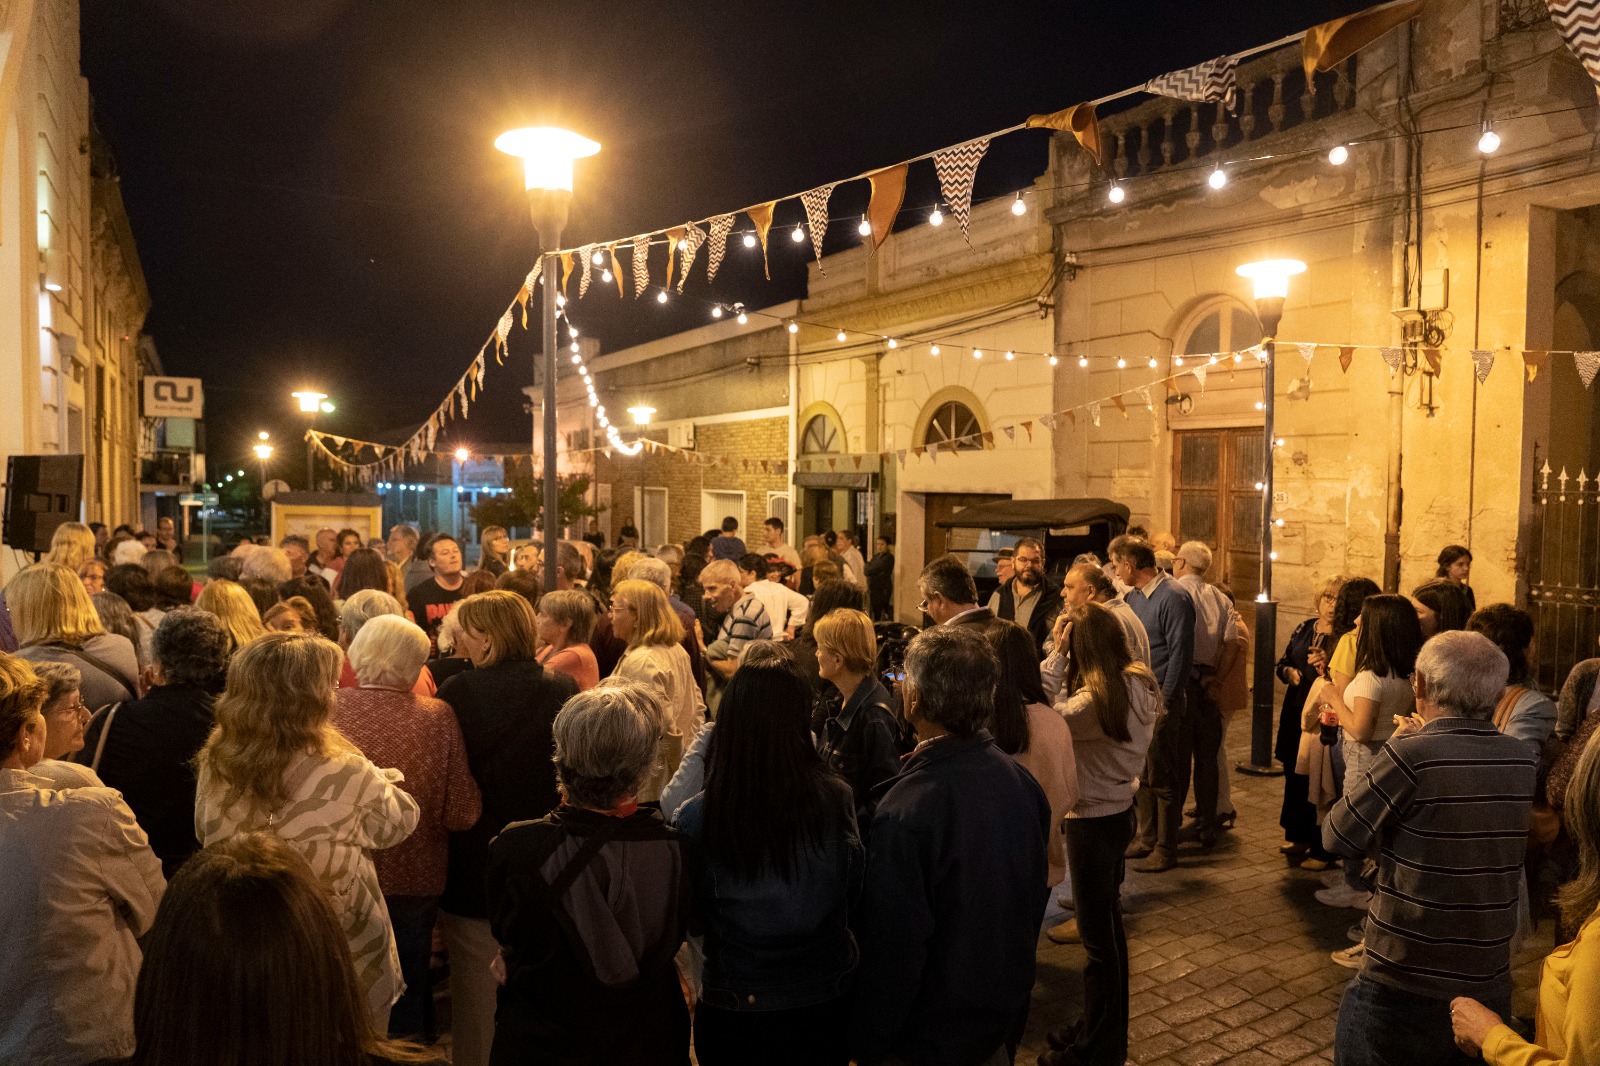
[[1564, 572]]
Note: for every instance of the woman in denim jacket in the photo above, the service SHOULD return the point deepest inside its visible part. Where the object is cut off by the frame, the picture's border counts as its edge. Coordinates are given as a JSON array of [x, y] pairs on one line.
[[777, 870], [861, 742]]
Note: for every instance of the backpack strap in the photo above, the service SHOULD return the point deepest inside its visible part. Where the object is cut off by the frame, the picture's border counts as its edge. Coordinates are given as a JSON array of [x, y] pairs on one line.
[[105, 731]]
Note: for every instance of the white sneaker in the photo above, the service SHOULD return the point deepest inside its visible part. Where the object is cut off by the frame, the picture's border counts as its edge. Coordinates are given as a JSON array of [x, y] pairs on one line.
[[1345, 896], [1351, 957], [1333, 878]]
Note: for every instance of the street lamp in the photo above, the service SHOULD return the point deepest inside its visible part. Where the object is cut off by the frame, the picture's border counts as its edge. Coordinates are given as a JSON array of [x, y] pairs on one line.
[[310, 404], [547, 154], [1271, 280], [263, 453]]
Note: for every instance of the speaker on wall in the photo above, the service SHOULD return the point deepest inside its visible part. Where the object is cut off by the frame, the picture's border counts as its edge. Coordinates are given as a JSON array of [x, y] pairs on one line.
[[42, 492]]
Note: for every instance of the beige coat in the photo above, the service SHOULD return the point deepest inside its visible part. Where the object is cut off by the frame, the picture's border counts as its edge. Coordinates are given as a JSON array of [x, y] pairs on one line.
[[80, 883]]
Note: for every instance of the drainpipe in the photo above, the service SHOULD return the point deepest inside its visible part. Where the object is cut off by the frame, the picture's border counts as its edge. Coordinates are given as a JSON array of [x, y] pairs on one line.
[[1394, 501]]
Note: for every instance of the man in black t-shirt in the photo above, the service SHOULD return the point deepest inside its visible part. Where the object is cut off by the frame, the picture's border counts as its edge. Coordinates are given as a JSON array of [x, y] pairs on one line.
[[430, 600]]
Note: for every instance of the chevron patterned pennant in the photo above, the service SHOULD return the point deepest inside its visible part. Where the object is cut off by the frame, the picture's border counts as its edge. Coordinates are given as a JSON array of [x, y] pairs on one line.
[[1579, 23], [586, 253], [693, 238], [1208, 82], [957, 167], [1587, 363], [721, 226], [641, 265], [816, 205]]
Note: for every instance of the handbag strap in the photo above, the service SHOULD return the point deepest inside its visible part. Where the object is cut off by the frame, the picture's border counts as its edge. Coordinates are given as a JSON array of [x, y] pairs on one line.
[[105, 731], [1508, 703], [94, 661]]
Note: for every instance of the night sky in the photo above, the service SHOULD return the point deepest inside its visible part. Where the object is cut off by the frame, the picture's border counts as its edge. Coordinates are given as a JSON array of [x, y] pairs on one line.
[[317, 200]]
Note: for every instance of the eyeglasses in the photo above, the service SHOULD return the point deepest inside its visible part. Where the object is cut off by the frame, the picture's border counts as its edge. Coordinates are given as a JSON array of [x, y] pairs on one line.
[[75, 708]]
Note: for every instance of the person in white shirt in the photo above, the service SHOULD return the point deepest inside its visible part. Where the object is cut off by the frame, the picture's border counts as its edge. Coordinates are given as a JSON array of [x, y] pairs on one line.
[[774, 544], [856, 565], [1087, 583], [785, 607], [1215, 621]]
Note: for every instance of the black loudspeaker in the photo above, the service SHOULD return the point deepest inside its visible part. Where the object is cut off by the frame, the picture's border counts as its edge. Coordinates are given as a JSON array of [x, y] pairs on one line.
[[42, 491]]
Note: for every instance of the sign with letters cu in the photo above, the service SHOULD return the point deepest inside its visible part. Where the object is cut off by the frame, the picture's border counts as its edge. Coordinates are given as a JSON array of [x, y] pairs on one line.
[[173, 398]]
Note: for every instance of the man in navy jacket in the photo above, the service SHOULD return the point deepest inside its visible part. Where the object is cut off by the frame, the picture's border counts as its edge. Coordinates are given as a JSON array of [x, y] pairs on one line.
[[956, 880]]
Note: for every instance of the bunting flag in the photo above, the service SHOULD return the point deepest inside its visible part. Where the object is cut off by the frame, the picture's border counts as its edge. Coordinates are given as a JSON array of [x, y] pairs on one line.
[[693, 238], [641, 265], [502, 330], [1010, 432], [933, 454], [1048, 422], [815, 202], [1027, 427], [1306, 352], [1199, 373], [1579, 23], [616, 266], [1533, 362], [957, 167], [1144, 394], [988, 438], [586, 253], [1393, 357], [1122, 407], [1326, 46], [1587, 363], [888, 193], [1346, 354], [721, 226], [566, 270], [1209, 82], [1433, 359], [1078, 120], [762, 217], [1094, 413], [674, 237]]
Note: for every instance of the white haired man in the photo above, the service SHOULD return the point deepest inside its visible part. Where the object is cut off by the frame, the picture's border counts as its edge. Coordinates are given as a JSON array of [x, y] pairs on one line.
[[1215, 621], [744, 618]]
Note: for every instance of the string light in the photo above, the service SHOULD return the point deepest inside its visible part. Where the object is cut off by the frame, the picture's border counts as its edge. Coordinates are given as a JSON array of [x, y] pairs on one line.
[[577, 360], [606, 275], [1011, 356], [661, 297], [842, 338], [597, 259], [1116, 194], [1338, 155], [572, 331], [716, 311], [1177, 360], [865, 228], [1153, 364], [1122, 364], [936, 216], [1017, 206], [797, 234], [574, 347], [1489, 143], [743, 318], [934, 351], [561, 301], [794, 327], [1083, 361], [749, 240], [1238, 357], [1054, 360], [977, 353], [1218, 178], [893, 343]]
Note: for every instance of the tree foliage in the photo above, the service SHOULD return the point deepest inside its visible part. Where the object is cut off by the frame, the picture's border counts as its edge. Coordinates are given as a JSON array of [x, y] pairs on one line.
[[523, 507]]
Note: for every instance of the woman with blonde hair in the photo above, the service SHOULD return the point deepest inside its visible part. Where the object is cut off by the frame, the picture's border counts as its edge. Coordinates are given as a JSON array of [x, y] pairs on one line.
[[641, 615], [71, 545], [293, 615], [860, 741], [233, 607], [56, 622], [275, 762]]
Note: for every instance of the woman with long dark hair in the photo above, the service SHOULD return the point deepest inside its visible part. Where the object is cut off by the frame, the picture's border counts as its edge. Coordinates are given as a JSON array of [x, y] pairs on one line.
[[281, 990], [363, 569], [1455, 564], [1339, 664], [1441, 606], [1388, 638], [778, 863], [1524, 712], [1030, 731], [1110, 702]]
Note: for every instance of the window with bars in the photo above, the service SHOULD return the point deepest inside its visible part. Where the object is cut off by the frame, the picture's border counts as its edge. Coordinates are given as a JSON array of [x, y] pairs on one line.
[[954, 421], [821, 437]]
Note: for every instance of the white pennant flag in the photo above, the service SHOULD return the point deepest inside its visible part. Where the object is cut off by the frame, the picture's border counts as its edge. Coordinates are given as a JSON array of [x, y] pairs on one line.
[[1587, 363], [1010, 432], [1144, 394], [1048, 422], [1306, 351], [1482, 363], [1199, 373], [1094, 413]]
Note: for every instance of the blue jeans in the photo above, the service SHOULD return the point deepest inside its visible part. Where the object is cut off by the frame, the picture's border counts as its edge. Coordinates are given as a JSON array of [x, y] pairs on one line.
[[1384, 1026], [413, 918]]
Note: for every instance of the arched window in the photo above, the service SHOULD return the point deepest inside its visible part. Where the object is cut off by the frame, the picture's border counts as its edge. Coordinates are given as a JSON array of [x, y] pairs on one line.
[[954, 421], [821, 437], [1222, 324]]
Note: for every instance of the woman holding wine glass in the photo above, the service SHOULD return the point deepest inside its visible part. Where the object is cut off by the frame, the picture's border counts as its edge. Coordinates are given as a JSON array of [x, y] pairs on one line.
[[1309, 647]]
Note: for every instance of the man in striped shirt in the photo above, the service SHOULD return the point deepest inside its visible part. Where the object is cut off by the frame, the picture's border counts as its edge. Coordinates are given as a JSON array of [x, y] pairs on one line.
[[744, 618], [1447, 799]]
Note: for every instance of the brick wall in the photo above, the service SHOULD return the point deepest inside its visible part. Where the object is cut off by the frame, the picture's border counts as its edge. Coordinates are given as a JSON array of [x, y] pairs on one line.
[[765, 438]]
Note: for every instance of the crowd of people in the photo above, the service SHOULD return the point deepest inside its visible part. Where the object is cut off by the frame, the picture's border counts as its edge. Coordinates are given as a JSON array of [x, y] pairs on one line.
[[691, 797]]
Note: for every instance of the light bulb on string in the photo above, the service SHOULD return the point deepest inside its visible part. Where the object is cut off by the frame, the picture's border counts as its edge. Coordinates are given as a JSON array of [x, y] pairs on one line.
[[716, 311], [794, 327], [597, 259], [749, 240], [561, 301], [1213, 360], [933, 350], [576, 359], [1153, 363], [977, 353], [936, 216], [865, 227], [1011, 356], [1054, 360], [1083, 362], [743, 318], [1122, 364], [1489, 142], [841, 338], [606, 275], [1238, 357], [892, 343], [1218, 177], [1177, 360], [661, 297], [572, 331], [1338, 155], [574, 347], [1017, 206], [797, 234], [1116, 194]]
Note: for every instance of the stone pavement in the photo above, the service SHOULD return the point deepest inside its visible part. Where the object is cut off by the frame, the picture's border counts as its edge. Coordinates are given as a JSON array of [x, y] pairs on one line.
[[1229, 952]]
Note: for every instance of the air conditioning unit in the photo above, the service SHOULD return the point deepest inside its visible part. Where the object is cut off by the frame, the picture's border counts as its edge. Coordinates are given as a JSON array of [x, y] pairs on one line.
[[681, 435]]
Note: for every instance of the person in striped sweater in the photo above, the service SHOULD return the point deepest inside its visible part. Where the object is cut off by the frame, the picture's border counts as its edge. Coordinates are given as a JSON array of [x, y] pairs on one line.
[[1447, 801]]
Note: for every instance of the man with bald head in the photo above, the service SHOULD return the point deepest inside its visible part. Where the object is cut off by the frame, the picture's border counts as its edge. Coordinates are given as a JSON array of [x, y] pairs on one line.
[[1087, 583]]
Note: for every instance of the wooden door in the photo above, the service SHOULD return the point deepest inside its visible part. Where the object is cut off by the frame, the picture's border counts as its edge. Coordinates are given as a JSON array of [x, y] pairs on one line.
[[1215, 499]]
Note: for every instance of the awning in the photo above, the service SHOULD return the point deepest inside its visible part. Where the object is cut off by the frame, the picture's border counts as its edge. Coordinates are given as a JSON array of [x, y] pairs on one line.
[[1039, 514], [853, 480]]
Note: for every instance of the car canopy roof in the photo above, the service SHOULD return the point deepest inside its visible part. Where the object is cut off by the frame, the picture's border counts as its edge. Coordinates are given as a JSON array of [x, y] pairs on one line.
[[1039, 514]]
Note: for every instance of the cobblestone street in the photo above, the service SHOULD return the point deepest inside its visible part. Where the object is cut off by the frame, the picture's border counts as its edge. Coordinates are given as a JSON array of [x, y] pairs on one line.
[[1229, 952]]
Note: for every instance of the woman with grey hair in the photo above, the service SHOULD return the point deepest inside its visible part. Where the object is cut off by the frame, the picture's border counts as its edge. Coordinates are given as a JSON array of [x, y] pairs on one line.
[[145, 748], [359, 609], [64, 719], [591, 902]]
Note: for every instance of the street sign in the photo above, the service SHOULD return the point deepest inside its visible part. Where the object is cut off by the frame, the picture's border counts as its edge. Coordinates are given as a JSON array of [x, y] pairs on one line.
[[199, 499], [173, 398]]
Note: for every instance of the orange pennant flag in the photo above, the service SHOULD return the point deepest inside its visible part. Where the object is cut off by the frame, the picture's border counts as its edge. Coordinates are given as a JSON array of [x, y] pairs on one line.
[[1434, 362], [616, 266], [1120, 405], [1328, 45], [567, 262], [1346, 354], [917, 450], [1534, 362], [1028, 428], [1078, 120], [833, 464], [762, 217], [858, 462], [1073, 416], [674, 235], [888, 193], [988, 438]]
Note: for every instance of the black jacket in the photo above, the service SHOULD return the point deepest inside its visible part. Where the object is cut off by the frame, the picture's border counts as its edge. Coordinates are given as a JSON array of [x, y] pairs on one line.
[[861, 742], [590, 910], [957, 882], [1043, 618], [505, 712], [149, 757]]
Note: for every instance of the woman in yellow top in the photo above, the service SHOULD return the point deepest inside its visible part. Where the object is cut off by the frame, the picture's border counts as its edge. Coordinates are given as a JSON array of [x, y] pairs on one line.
[[1568, 1025]]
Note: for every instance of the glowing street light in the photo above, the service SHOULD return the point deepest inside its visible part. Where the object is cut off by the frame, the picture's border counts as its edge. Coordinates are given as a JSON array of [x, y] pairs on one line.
[[311, 402], [641, 414], [462, 455], [547, 155], [1270, 278]]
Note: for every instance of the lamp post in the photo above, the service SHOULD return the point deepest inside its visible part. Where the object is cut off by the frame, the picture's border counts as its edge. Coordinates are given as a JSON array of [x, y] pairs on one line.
[[547, 154], [263, 453], [310, 404], [1271, 280]]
